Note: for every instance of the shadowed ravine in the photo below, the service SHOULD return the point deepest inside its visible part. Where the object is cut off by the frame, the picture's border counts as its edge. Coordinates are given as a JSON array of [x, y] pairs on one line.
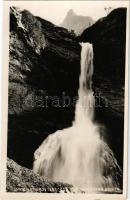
[[79, 155]]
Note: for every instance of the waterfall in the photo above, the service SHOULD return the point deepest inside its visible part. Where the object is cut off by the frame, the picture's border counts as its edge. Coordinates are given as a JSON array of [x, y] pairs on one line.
[[78, 155]]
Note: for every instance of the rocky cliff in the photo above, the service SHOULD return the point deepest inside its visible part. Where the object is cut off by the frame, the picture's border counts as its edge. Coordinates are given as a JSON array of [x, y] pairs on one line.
[[45, 65], [44, 68], [21, 179], [108, 36]]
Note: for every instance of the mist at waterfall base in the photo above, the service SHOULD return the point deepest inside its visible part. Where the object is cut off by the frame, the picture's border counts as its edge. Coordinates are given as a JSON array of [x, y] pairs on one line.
[[79, 155]]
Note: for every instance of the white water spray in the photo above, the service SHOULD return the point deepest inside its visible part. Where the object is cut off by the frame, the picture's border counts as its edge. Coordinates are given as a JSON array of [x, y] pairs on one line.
[[77, 155]]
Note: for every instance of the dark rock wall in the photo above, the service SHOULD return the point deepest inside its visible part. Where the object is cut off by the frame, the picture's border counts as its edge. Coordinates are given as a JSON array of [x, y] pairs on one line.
[[44, 61], [108, 36]]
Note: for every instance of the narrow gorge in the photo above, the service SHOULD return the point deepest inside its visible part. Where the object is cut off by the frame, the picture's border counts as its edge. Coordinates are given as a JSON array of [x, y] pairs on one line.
[[45, 62]]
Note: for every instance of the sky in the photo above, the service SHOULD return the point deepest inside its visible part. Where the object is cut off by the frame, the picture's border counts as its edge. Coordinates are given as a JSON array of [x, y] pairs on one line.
[[55, 11]]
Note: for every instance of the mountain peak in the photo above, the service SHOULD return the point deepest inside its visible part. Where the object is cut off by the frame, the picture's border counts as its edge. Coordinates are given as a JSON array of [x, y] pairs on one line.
[[75, 22], [71, 13]]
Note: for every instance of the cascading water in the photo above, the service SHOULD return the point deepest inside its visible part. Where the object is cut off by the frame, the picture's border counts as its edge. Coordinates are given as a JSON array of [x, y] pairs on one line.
[[78, 155]]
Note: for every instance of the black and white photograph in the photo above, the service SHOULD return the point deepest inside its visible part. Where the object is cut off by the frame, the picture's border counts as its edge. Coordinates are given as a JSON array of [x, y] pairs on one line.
[[67, 85]]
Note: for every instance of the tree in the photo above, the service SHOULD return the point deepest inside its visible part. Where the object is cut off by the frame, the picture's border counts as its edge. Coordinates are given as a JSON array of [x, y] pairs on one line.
[[108, 10]]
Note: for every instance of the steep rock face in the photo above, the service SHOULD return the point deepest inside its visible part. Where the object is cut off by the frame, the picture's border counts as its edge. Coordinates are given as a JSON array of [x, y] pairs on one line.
[[41, 55], [43, 61], [108, 36], [76, 22], [21, 179]]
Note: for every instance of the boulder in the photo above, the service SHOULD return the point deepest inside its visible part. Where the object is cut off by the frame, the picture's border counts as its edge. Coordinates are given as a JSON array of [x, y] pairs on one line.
[[21, 179]]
